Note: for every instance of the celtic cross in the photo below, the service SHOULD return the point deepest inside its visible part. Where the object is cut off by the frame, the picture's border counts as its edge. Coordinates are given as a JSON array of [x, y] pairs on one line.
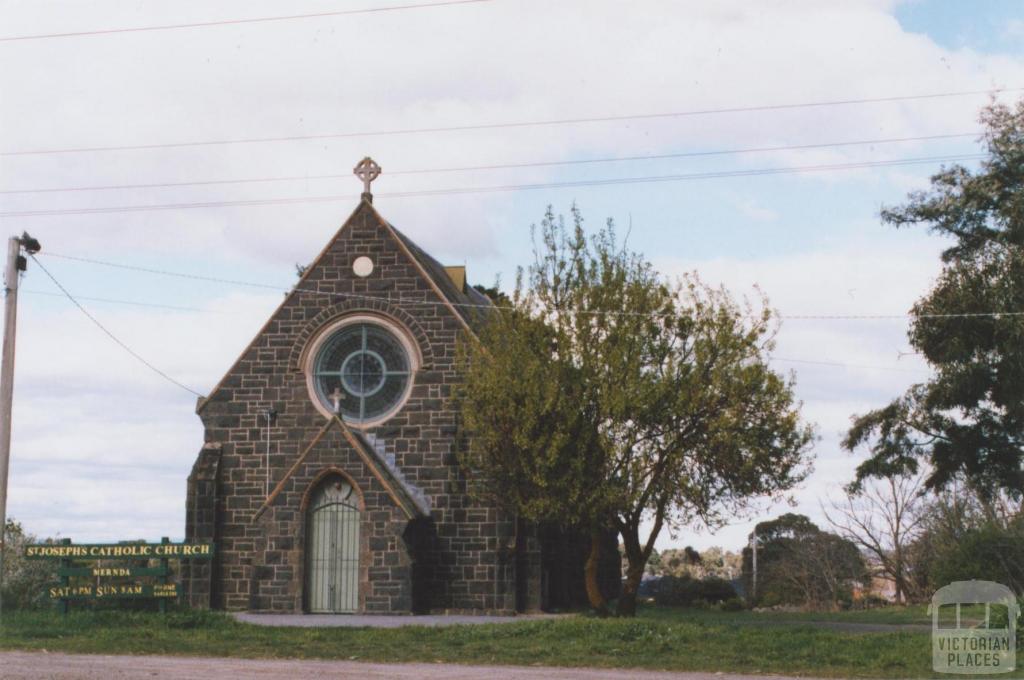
[[367, 170]]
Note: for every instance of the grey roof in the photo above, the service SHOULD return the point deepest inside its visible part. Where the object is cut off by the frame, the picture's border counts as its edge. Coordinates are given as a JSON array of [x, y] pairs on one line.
[[471, 304], [386, 463]]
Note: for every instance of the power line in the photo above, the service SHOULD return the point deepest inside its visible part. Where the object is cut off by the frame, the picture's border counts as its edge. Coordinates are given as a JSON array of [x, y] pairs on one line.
[[227, 22], [399, 300], [109, 334], [844, 365], [493, 189], [119, 302], [499, 166], [142, 304], [513, 124]]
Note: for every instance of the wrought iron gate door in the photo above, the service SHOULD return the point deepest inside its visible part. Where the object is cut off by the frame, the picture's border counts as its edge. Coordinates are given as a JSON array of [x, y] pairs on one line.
[[333, 549]]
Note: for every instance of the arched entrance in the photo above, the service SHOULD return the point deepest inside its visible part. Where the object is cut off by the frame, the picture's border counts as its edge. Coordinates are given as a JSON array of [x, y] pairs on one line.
[[332, 548]]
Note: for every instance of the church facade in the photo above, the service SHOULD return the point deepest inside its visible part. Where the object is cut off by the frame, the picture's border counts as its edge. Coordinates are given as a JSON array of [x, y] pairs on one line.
[[328, 477]]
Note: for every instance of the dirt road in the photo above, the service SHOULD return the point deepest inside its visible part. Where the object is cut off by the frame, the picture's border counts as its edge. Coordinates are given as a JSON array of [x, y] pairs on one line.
[[39, 666]]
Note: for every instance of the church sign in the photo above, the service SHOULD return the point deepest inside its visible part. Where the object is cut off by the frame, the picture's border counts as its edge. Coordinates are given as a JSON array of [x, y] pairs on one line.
[[97, 579], [117, 590], [120, 551]]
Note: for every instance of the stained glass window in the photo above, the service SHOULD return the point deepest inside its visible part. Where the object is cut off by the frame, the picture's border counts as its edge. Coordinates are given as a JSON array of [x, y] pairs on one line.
[[361, 372]]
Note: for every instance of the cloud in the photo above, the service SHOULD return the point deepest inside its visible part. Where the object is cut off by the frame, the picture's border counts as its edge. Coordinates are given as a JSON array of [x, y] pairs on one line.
[[1013, 29], [854, 277], [756, 212], [123, 439]]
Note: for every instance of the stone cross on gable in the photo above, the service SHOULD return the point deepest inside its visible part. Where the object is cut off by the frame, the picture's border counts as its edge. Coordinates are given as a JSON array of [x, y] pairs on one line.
[[367, 170], [336, 398]]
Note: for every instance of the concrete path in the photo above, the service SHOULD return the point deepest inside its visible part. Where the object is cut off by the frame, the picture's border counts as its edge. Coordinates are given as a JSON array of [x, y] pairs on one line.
[[40, 665], [380, 621], [385, 621]]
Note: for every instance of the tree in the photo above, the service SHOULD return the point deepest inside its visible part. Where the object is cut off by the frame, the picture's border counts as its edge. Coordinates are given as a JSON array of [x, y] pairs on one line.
[[713, 562], [798, 563], [884, 518], [989, 552], [720, 563], [965, 536], [967, 420], [493, 293], [606, 396]]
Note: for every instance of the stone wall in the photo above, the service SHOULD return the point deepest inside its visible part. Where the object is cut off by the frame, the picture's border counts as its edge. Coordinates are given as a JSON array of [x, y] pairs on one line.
[[459, 559]]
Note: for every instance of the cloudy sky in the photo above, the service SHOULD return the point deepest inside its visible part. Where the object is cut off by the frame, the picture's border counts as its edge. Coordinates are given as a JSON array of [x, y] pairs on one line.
[[102, 445]]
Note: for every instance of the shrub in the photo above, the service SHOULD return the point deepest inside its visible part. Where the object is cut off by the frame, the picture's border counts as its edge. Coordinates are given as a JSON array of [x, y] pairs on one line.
[[733, 604], [24, 581], [684, 591], [990, 553]]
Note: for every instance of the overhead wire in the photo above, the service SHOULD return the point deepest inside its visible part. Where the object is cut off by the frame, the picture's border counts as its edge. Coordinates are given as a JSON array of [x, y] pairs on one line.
[[493, 189], [407, 302], [424, 302], [838, 364], [115, 301], [230, 22], [498, 166], [512, 124], [109, 333]]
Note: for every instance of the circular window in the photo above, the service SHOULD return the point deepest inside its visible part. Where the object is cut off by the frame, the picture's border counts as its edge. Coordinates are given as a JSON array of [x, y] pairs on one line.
[[361, 371]]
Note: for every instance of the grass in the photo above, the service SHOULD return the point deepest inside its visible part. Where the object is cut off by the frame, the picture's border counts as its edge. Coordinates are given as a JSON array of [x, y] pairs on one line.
[[666, 639], [911, 615]]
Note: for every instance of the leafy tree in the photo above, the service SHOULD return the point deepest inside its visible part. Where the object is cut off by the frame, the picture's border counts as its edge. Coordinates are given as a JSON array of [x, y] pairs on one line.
[[968, 420], [798, 563], [607, 396], [713, 562], [655, 565], [720, 563], [989, 552], [494, 293], [965, 536]]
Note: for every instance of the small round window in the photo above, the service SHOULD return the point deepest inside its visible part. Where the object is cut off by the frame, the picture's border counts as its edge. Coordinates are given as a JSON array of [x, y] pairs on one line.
[[361, 372]]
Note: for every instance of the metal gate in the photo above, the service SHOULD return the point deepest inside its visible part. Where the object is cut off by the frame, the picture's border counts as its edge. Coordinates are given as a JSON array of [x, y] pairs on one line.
[[333, 549]]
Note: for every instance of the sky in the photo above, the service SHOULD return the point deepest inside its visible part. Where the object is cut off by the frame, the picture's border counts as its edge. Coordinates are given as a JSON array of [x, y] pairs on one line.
[[102, 445]]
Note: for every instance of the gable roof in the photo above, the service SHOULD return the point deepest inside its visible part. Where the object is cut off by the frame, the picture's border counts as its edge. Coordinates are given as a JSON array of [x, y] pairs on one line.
[[409, 499], [468, 307]]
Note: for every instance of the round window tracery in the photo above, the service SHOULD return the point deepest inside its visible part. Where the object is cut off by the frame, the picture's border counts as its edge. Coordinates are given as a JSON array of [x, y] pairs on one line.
[[361, 371]]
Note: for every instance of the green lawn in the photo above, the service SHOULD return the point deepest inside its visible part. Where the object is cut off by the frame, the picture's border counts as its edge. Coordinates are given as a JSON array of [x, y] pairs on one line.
[[912, 615], [670, 639]]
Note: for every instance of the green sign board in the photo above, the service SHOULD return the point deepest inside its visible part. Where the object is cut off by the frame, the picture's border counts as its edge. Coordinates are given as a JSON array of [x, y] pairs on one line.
[[115, 590], [119, 551], [86, 572]]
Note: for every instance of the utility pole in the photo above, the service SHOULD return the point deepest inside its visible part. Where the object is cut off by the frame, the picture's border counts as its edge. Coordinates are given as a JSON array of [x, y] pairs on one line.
[[16, 263], [753, 586]]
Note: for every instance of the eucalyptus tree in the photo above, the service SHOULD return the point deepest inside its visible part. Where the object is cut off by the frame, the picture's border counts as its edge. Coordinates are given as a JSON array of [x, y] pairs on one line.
[[609, 397], [967, 421]]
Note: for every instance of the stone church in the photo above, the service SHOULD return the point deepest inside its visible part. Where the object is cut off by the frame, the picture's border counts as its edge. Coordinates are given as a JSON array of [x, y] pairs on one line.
[[328, 477]]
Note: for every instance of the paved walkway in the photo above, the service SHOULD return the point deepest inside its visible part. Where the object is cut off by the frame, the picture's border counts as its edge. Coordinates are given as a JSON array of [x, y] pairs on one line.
[[37, 665], [433, 620], [381, 621]]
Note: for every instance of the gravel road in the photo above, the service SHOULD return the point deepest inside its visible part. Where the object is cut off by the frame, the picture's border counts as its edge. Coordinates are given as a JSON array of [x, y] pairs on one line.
[[40, 666]]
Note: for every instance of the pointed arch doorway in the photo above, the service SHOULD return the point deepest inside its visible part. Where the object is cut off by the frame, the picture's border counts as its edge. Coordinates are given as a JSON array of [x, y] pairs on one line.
[[332, 548]]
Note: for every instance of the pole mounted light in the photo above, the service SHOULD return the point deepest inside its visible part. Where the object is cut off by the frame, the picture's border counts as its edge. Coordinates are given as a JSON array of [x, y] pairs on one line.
[[16, 263]]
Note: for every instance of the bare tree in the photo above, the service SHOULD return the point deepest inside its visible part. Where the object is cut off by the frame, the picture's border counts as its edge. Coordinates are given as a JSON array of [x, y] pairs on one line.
[[883, 518]]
